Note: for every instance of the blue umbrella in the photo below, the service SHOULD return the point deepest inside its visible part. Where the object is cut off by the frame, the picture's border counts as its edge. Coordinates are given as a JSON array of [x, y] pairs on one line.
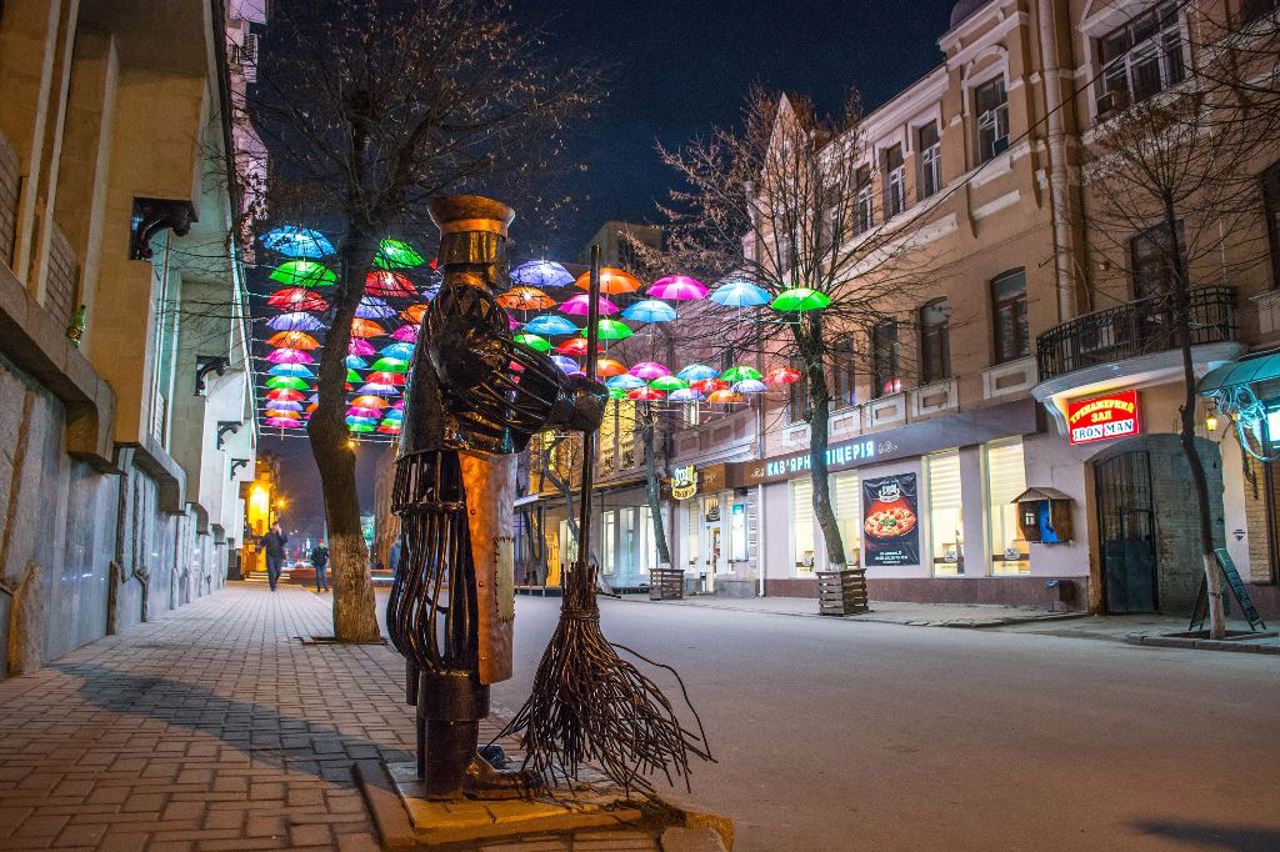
[[542, 274], [650, 310], [550, 325], [739, 293], [403, 351], [685, 395], [371, 307], [749, 386], [568, 365], [355, 362], [292, 241], [626, 381], [296, 370], [698, 372]]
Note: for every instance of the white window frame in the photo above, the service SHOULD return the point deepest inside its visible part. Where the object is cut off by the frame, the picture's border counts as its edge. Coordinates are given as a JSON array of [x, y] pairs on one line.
[[998, 117], [1156, 45], [894, 182], [930, 162]]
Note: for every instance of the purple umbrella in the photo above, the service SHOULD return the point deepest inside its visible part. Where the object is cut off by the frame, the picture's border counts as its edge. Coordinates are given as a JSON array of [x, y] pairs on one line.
[[580, 306], [295, 321], [679, 288], [568, 365], [371, 307]]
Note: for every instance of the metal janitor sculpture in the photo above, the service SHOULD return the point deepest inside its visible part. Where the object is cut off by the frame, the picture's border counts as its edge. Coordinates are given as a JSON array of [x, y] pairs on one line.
[[474, 398]]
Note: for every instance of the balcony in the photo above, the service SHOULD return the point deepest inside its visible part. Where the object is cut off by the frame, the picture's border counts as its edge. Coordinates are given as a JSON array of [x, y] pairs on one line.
[[1139, 328]]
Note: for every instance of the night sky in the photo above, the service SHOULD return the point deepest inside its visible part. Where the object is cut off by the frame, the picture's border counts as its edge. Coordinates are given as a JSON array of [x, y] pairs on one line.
[[676, 69]]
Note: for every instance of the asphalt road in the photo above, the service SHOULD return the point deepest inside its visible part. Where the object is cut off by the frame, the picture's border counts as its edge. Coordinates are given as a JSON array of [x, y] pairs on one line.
[[837, 735]]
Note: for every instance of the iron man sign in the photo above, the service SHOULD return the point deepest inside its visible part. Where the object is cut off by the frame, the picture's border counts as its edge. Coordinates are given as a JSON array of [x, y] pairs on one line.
[[1101, 418]]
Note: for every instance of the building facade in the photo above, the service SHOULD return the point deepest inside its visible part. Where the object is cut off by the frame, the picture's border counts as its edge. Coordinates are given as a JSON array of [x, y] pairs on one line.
[[122, 340]]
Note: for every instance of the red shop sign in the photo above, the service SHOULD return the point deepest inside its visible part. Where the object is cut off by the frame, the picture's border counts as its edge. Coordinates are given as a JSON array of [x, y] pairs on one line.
[[1100, 418]]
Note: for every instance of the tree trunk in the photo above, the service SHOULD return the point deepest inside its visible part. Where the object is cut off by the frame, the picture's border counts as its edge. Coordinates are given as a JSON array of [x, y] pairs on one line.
[[1187, 432], [811, 352], [354, 618], [651, 486]]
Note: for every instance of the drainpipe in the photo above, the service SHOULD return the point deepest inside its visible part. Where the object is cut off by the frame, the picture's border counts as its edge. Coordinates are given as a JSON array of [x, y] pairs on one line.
[[1059, 188], [760, 542]]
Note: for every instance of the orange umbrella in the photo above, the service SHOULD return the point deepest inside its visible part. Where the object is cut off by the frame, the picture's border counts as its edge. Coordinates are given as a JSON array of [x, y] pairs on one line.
[[724, 397], [526, 299], [285, 415], [293, 340], [612, 281], [369, 401], [609, 367], [414, 313], [366, 328], [384, 282]]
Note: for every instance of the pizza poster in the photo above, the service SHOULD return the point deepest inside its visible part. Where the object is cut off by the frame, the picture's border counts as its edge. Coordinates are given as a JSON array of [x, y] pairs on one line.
[[890, 525]]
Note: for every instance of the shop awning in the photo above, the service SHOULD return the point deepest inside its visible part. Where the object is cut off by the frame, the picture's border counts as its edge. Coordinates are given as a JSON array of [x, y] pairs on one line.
[[1257, 368]]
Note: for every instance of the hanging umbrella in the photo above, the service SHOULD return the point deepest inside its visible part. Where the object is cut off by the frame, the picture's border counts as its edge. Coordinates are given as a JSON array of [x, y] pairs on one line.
[[566, 365], [360, 347], [526, 299], [609, 367], [288, 383], [369, 402], [292, 241], [650, 310], [624, 382], [296, 370], [550, 325], [739, 293], [576, 347], [406, 333], [740, 372], [284, 405], [403, 351], [298, 299], [668, 383], [646, 393], [678, 288], [290, 356], [389, 427], [366, 328], [617, 393], [709, 385], [533, 341], [282, 423], [580, 306], [286, 413], [782, 376], [611, 329], [371, 307], [800, 299], [541, 273], [386, 377], [282, 395], [394, 414], [723, 397], [685, 395], [378, 389], [293, 340], [396, 254], [414, 313], [749, 386], [294, 321], [649, 370], [304, 273], [360, 411], [391, 365], [694, 372], [391, 285], [612, 281], [355, 362], [353, 376]]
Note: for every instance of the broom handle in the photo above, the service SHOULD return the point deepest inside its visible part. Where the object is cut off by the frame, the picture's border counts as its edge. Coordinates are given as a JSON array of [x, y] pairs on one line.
[[589, 438]]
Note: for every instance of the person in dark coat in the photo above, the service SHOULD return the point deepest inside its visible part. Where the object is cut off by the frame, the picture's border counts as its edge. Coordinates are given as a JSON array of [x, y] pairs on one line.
[[273, 545], [320, 561]]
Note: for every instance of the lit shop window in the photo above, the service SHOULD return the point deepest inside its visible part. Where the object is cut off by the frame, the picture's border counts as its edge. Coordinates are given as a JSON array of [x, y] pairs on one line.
[[738, 549], [608, 563], [1006, 479], [802, 524], [648, 541], [946, 513], [847, 492], [692, 539]]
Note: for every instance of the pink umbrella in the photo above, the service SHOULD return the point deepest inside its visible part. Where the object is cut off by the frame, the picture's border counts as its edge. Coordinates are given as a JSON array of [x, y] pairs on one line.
[[360, 346], [406, 334], [290, 356], [679, 288], [649, 370], [580, 306]]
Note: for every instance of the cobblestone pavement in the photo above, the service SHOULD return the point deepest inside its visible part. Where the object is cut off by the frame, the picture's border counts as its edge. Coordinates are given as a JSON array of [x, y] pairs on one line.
[[211, 727]]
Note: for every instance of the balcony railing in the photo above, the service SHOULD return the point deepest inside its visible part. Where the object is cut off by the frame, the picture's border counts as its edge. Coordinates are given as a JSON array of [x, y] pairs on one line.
[[1137, 328]]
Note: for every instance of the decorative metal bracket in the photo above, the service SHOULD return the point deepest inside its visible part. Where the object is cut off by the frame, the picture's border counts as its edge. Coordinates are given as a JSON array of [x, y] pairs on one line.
[[206, 364], [236, 464], [152, 215], [226, 427]]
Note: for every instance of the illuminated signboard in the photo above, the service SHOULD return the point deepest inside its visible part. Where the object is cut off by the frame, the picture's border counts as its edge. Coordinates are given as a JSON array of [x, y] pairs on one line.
[[1101, 418], [838, 456]]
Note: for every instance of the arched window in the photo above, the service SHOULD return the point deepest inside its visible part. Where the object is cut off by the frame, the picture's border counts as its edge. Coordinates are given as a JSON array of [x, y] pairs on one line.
[[935, 342]]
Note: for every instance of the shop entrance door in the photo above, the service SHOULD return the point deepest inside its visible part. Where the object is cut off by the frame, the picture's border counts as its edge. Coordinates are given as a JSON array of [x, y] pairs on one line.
[[711, 554], [1126, 526]]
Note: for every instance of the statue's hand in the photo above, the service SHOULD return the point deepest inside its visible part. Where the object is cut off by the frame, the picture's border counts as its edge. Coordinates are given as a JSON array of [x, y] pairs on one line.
[[579, 405]]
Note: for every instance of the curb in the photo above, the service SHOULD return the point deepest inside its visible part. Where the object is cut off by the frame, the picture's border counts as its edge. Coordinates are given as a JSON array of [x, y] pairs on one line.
[[1236, 646]]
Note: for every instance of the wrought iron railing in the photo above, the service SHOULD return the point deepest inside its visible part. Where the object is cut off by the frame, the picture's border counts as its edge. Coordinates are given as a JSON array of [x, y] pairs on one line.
[[1137, 328]]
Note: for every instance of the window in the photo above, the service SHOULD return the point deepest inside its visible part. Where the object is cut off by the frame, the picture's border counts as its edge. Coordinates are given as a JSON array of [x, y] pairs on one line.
[[1271, 208], [608, 562], [648, 541], [691, 414], [692, 534], [946, 513], [843, 374], [847, 494], [1006, 479], [991, 104], [798, 396], [802, 524], [1140, 58], [626, 545], [885, 378], [864, 215], [1152, 257], [935, 342], [1009, 303], [895, 181], [929, 145]]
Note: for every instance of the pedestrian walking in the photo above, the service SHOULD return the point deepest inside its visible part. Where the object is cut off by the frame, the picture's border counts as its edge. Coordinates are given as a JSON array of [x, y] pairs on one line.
[[273, 544], [320, 561]]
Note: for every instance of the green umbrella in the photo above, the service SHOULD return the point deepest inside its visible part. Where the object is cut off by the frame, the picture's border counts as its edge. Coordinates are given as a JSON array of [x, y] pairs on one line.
[[353, 376], [740, 373], [533, 341], [800, 299], [304, 273], [287, 382], [396, 254], [361, 427], [617, 393], [390, 365], [668, 383], [611, 329]]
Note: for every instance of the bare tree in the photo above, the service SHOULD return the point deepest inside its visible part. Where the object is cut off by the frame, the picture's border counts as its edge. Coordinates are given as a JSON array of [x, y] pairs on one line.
[[370, 109], [1174, 178], [787, 201]]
